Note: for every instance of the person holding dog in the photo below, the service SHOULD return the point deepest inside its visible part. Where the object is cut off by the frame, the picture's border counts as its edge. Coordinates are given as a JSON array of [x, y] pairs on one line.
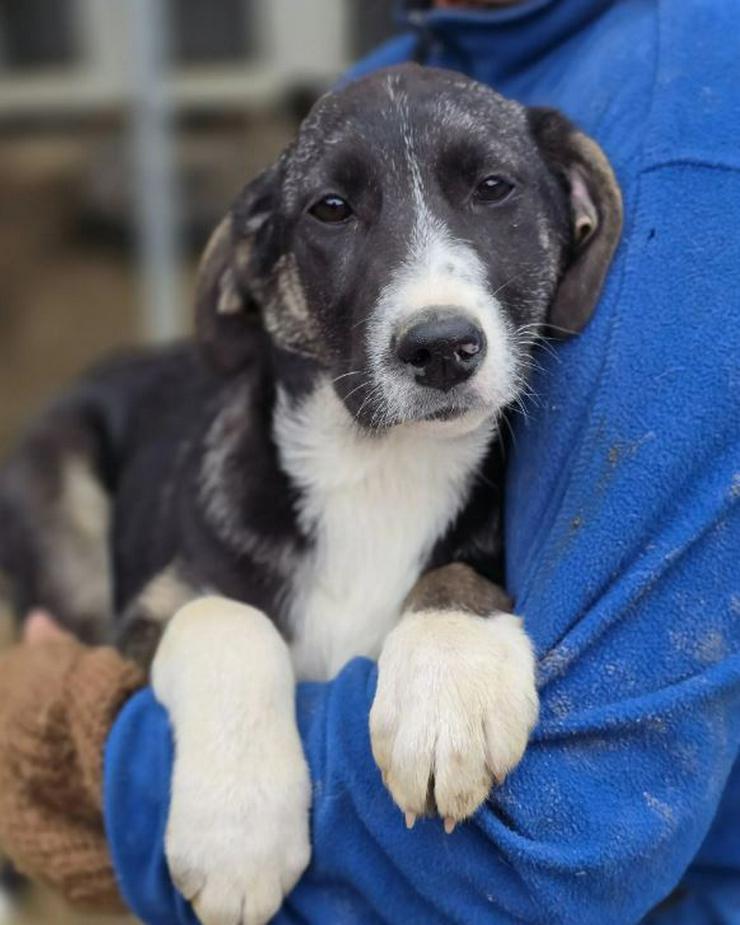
[[622, 532]]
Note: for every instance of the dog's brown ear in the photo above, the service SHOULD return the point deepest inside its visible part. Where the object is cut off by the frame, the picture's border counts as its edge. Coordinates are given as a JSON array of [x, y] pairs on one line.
[[226, 310], [595, 211]]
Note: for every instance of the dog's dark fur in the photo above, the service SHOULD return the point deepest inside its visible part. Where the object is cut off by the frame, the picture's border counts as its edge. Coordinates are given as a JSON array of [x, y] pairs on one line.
[[158, 475]]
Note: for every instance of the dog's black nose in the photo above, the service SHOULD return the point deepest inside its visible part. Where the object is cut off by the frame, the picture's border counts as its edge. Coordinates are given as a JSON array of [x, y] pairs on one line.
[[443, 349]]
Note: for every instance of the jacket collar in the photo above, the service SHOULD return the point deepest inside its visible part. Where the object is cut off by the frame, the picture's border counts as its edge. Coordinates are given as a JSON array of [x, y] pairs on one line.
[[494, 43], [415, 14]]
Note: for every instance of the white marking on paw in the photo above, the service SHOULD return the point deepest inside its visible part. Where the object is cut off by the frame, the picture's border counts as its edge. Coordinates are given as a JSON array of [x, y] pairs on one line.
[[237, 836], [456, 702]]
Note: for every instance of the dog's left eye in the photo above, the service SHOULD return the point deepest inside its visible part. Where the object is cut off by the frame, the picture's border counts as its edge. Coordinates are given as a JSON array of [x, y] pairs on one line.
[[331, 209], [493, 189]]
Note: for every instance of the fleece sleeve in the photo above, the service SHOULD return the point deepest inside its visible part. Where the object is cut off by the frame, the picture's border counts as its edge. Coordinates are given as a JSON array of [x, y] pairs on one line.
[[623, 531]]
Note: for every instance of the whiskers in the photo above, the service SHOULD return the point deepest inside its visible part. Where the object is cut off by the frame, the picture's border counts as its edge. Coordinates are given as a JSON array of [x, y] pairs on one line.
[[528, 339], [534, 335], [380, 417], [509, 281], [373, 403], [352, 372]]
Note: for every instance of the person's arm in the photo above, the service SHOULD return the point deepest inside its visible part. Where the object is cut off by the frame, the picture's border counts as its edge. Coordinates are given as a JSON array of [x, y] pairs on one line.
[[598, 824], [58, 700], [623, 531]]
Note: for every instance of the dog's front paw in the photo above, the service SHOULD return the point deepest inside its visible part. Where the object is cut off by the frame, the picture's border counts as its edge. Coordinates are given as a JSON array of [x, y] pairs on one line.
[[236, 847], [455, 703], [238, 831]]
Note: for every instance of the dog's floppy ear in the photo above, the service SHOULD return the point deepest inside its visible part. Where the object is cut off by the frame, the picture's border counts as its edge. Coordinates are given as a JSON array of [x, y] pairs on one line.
[[595, 213], [225, 305]]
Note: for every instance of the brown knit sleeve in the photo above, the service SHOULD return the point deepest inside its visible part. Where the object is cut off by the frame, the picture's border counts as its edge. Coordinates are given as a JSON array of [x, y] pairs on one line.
[[58, 701]]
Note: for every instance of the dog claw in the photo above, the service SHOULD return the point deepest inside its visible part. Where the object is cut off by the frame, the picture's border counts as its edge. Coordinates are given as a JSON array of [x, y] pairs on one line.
[[410, 820], [449, 825]]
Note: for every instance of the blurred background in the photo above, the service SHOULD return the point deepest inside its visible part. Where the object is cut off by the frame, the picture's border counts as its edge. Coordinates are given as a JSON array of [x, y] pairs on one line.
[[126, 128]]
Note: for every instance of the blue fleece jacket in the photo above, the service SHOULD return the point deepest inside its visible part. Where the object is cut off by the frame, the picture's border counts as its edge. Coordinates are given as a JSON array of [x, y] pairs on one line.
[[622, 538]]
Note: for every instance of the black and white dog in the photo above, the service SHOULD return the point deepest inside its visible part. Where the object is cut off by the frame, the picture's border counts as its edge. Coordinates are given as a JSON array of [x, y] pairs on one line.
[[327, 483]]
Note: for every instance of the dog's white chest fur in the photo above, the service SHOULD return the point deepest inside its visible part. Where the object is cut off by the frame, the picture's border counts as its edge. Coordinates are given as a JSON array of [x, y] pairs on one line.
[[375, 506]]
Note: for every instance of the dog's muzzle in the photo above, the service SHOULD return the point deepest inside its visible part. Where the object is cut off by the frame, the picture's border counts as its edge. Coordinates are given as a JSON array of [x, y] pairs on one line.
[[441, 348]]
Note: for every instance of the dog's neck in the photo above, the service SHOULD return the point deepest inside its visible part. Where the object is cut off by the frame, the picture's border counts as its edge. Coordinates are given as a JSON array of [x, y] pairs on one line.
[[372, 506], [340, 521]]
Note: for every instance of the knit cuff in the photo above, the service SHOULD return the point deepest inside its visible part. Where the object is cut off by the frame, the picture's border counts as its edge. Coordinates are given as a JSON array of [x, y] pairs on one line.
[[57, 704], [96, 689]]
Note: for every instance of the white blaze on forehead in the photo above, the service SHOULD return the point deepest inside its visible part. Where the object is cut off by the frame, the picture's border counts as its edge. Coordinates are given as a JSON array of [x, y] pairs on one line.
[[442, 271], [439, 270]]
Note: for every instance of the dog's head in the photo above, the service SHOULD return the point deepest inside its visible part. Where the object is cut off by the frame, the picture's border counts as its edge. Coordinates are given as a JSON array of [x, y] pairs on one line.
[[414, 241]]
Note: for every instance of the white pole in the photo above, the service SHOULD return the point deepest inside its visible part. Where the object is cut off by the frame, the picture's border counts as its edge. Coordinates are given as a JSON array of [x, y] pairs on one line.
[[154, 164]]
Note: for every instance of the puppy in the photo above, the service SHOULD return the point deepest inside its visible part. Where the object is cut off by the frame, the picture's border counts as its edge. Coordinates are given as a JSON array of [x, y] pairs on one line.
[[321, 477]]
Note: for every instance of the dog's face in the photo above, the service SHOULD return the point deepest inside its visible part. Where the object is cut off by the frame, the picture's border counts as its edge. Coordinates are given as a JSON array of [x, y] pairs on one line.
[[414, 241]]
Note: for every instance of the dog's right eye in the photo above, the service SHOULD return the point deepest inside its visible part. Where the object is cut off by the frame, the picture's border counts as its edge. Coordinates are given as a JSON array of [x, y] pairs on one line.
[[331, 209], [493, 189]]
